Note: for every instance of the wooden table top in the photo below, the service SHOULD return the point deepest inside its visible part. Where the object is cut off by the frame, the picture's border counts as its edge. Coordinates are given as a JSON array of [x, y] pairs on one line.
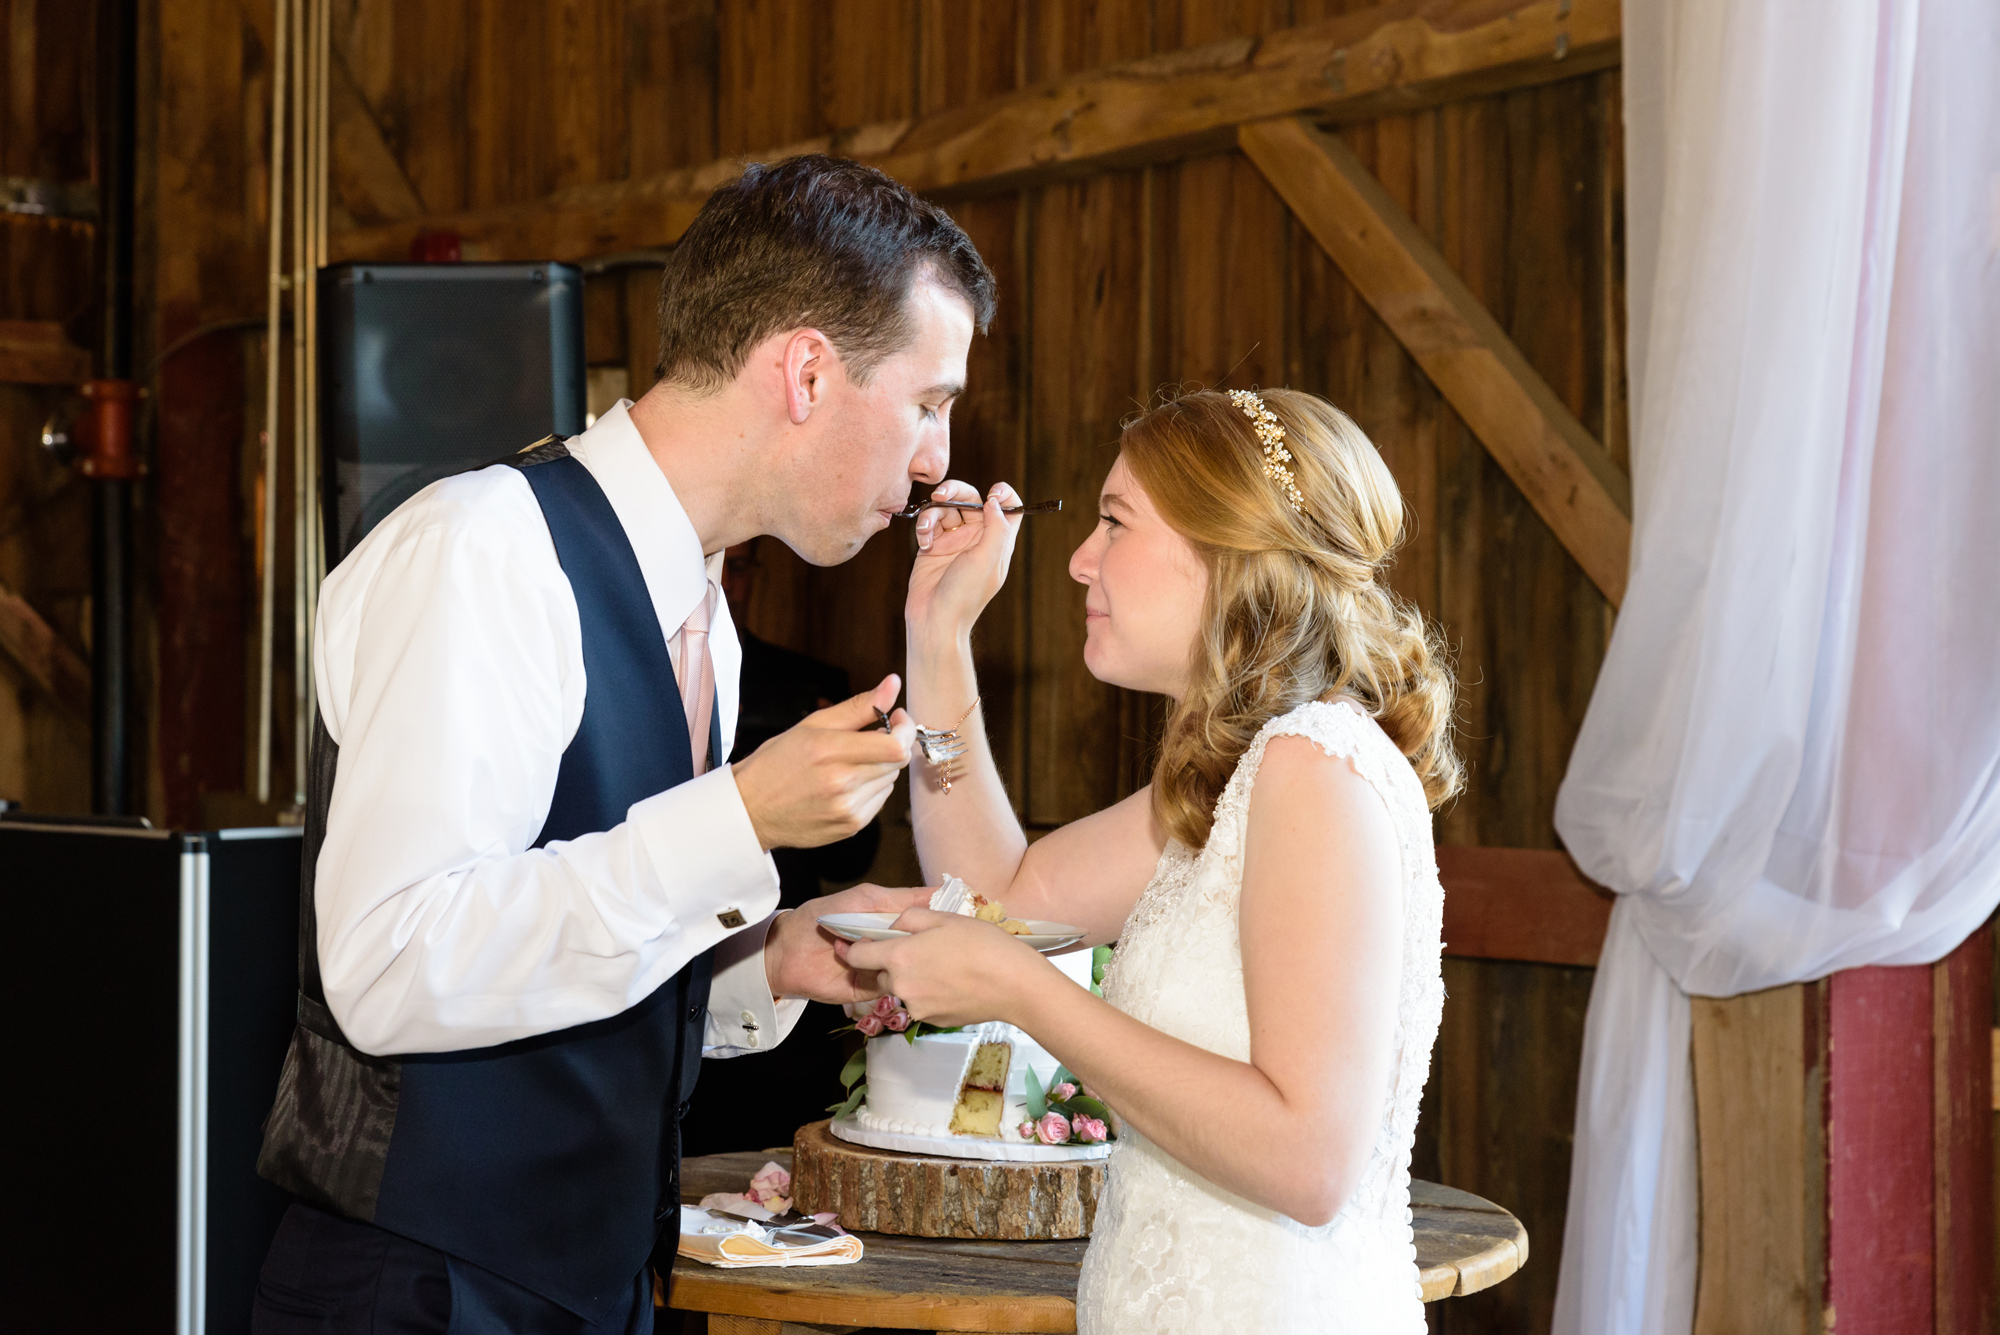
[[1464, 1244]]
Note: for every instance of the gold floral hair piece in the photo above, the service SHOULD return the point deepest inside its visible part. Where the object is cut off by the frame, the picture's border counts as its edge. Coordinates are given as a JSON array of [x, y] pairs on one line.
[[1271, 433]]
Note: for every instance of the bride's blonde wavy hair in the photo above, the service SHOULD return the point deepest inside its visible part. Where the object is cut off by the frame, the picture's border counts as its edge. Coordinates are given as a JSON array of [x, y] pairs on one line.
[[1296, 607]]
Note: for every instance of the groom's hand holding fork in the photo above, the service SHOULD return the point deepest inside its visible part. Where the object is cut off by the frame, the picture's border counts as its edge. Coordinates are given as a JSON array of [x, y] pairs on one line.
[[817, 782]]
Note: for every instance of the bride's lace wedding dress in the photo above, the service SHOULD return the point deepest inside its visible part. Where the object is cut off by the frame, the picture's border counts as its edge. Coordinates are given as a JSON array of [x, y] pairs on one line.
[[1173, 1252]]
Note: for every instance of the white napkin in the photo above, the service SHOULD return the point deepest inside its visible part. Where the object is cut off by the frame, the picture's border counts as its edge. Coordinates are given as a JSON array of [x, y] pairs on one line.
[[735, 1243]]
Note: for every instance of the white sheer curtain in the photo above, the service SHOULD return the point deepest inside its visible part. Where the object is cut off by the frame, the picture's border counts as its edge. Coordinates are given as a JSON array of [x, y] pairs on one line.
[[1791, 764]]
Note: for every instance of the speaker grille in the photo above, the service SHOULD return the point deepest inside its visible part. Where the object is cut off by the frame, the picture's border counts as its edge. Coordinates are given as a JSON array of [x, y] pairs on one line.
[[430, 369]]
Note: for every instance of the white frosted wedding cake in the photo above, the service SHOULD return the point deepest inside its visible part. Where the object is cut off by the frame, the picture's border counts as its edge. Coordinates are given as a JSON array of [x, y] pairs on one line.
[[970, 1083], [986, 1091]]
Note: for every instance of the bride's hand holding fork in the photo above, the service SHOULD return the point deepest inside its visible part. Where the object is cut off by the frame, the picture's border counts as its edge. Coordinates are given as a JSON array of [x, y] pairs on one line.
[[962, 560]]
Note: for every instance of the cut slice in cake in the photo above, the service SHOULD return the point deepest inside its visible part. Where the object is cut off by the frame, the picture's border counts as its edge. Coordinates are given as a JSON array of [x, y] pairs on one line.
[[982, 1095]]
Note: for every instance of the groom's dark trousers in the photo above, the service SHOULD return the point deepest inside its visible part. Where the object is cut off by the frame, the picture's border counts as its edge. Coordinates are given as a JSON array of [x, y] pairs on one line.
[[521, 1188]]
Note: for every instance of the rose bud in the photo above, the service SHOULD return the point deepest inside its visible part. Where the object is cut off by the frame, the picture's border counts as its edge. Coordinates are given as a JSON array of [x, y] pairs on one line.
[[869, 1024], [1090, 1130], [1063, 1093], [1053, 1129], [1026, 1130], [897, 1023], [885, 1007], [771, 1181]]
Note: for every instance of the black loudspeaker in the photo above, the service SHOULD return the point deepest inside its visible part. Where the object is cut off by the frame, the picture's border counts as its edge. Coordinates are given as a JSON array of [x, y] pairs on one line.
[[151, 993], [429, 369]]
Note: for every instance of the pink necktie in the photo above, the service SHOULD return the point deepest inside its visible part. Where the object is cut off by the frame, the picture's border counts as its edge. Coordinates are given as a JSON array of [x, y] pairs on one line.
[[697, 677]]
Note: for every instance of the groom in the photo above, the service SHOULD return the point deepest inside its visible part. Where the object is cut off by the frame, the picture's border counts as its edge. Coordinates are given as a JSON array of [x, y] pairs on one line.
[[532, 896]]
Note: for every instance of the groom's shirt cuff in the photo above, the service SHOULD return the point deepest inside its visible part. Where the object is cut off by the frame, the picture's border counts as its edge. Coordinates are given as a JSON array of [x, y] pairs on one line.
[[742, 1015]]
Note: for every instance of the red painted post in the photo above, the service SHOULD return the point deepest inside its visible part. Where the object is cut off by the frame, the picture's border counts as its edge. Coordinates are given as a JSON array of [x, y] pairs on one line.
[[1962, 996], [1910, 1228], [1880, 1227]]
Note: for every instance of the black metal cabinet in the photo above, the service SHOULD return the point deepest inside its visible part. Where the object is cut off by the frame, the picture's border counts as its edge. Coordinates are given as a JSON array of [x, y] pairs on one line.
[[150, 985]]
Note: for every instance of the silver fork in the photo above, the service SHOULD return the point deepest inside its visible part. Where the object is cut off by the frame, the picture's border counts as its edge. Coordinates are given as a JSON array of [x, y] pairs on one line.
[[916, 508], [939, 747]]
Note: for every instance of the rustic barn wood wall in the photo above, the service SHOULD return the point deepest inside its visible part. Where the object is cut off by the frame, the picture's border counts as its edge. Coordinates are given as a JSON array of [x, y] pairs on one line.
[[45, 287], [1113, 285]]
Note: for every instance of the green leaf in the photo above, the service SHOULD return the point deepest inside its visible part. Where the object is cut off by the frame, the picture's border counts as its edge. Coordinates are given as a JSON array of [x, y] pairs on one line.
[[1089, 1107], [857, 1066], [853, 1101], [1038, 1103], [1099, 957]]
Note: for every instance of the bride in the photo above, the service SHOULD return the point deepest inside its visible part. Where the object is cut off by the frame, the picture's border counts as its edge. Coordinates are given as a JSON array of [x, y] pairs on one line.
[[1268, 1015]]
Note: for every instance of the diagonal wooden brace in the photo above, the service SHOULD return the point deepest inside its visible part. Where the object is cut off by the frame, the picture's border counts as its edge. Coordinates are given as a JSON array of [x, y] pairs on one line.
[[51, 664], [1565, 474]]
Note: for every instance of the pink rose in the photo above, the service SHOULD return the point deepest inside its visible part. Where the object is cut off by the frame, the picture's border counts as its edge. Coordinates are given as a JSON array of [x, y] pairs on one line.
[[772, 1188], [1090, 1130], [885, 1007], [1053, 1129], [897, 1023], [869, 1025], [1027, 1130], [1062, 1093]]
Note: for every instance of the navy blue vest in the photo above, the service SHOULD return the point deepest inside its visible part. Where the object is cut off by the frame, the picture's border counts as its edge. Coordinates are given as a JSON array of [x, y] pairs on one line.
[[553, 1161]]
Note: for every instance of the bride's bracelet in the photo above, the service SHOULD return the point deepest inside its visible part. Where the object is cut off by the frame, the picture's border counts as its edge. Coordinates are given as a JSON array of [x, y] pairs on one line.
[[943, 747]]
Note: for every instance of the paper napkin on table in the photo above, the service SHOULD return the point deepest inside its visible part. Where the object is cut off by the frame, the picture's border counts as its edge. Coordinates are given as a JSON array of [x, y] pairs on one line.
[[734, 1243]]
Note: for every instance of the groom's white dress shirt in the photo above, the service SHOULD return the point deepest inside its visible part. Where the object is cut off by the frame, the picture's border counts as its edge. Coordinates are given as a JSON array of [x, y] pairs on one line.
[[449, 663]]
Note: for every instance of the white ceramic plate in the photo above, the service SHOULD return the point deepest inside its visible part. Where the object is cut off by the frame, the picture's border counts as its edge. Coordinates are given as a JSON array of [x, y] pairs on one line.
[[1045, 937]]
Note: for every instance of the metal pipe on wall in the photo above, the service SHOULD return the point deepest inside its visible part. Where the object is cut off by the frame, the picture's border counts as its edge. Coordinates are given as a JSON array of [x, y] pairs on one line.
[[302, 67], [303, 31], [309, 552], [273, 356], [111, 511]]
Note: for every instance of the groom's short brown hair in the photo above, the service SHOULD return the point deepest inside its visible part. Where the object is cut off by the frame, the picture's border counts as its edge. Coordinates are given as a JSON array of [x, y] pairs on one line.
[[812, 241]]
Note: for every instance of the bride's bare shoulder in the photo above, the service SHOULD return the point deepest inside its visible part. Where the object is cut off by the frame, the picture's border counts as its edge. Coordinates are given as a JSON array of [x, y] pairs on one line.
[[1301, 787]]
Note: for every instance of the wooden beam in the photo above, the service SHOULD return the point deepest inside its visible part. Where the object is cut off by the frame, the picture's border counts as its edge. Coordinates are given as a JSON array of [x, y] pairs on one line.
[[1393, 57], [1521, 904], [1565, 474], [37, 352], [367, 176], [1759, 1086], [209, 235], [1846, 1151], [49, 663]]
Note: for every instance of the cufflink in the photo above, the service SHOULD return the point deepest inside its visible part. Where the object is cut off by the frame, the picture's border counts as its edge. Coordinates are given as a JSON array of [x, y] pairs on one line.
[[750, 1039], [730, 918]]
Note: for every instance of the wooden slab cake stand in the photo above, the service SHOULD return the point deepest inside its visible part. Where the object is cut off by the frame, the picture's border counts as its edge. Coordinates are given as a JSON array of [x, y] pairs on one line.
[[926, 1196]]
